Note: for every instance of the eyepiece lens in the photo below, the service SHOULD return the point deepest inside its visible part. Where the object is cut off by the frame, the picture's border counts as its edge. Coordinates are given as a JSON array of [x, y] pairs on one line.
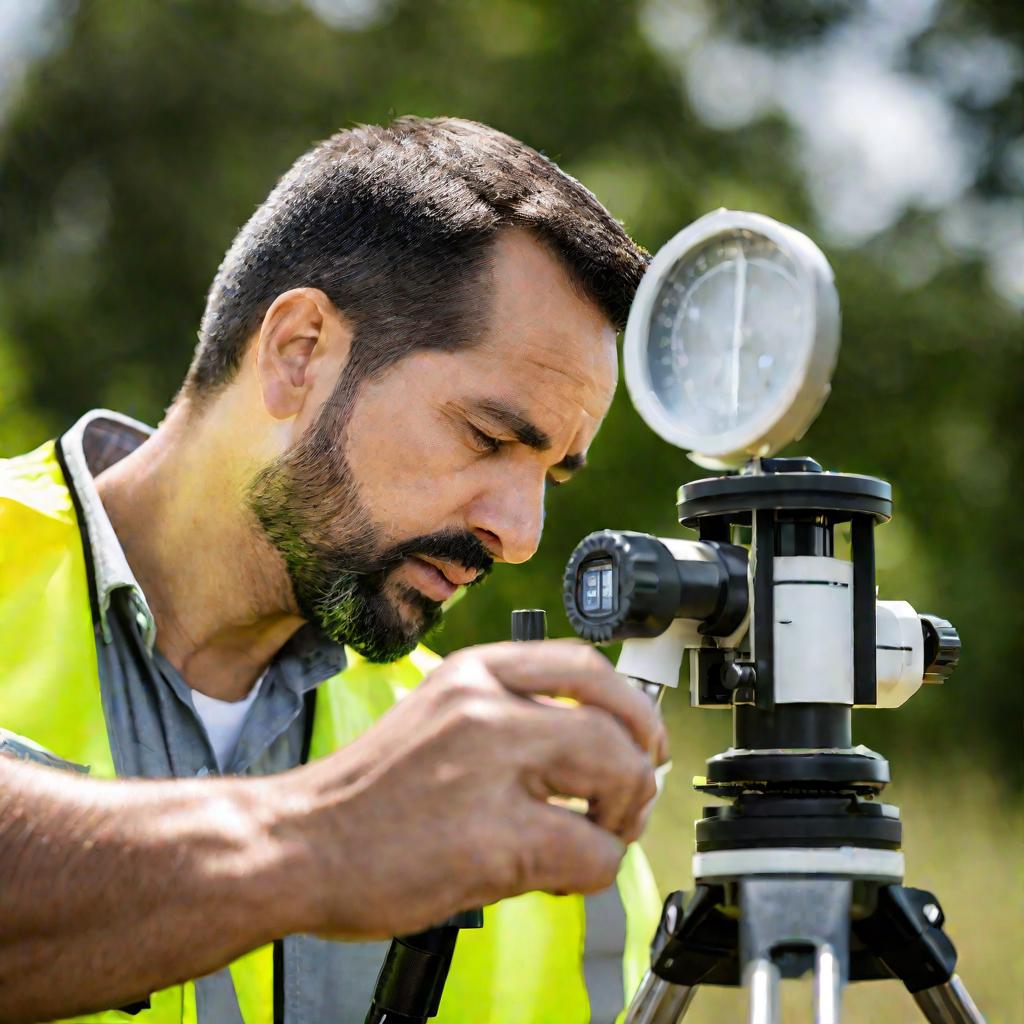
[[596, 591]]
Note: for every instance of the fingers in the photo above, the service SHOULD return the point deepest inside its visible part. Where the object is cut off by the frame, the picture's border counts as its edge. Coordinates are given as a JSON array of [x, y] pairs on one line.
[[569, 668], [590, 755], [578, 856]]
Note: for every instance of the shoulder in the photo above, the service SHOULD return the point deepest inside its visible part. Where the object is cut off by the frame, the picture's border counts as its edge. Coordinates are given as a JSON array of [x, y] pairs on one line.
[[39, 537], [32, 485]]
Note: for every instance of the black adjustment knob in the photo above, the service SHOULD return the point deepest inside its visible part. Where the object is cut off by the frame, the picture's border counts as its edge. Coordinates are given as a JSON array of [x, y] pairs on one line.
[[941, 648], [529, 624], [735, 675]]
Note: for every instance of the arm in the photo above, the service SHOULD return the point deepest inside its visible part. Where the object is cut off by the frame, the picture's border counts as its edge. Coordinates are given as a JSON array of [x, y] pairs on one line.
[[112, 890]]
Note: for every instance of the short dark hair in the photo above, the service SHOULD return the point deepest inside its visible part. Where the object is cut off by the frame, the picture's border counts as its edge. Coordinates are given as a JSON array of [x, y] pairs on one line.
[[393, 223]]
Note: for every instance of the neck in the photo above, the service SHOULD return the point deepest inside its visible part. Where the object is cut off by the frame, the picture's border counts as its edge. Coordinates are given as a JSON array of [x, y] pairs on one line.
[[218, 591]]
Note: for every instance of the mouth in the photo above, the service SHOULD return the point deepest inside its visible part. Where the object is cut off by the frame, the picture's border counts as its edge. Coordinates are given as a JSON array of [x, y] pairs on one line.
[[436, 579]]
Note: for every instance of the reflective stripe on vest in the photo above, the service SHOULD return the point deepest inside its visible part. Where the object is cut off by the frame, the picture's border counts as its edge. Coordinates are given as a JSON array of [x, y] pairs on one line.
[[533, 962]]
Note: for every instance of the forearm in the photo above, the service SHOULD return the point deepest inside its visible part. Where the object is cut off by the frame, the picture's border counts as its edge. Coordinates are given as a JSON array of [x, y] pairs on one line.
[[112, 890]]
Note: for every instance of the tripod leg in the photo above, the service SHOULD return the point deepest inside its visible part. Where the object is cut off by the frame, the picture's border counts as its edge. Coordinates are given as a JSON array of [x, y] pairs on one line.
[[659, 1002], [764, 983], [905, 933], [828, 986], [948, 1003]]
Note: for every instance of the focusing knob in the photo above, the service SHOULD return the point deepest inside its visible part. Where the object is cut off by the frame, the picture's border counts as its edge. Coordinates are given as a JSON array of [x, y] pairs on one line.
[[941, 648], [529, 624]]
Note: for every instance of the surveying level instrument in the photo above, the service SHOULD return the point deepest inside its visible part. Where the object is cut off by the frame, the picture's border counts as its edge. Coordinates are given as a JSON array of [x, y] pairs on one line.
[[729, 351]]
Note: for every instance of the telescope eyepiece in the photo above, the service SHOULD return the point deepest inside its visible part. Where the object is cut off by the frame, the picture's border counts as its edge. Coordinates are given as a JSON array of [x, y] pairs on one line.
[[621, 585]]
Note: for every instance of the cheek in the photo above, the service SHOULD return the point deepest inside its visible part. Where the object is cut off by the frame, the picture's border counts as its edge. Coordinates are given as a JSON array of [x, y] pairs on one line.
[[410, 472]]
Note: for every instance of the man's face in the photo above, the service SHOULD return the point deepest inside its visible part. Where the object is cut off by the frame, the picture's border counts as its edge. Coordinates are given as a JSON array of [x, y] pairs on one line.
[[440, 464]]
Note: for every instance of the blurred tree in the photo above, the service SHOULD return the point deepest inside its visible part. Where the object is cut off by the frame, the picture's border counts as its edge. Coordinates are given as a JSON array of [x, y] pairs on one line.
[[135, 146]]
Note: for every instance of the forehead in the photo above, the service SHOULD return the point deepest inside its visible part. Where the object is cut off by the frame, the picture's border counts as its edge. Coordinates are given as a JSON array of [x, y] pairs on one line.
[[545, 341]]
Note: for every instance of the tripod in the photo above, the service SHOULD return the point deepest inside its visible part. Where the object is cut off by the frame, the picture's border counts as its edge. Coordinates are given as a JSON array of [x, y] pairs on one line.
[[800, 875]]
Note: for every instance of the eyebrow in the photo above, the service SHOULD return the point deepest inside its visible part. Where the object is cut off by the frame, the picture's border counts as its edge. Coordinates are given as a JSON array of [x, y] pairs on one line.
[[526, 432]]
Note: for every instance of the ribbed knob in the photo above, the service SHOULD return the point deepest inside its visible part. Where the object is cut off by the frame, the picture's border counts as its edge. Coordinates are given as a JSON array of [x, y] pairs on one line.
[[941, 648], [529, 624]]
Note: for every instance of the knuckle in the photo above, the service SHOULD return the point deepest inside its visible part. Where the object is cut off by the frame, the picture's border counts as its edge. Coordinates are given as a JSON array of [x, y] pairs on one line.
[[460, 664], [481, 712], [470, 711], [464, 678], [511, 862], [590, 659], [606, 866], [601, 727], [646, 782]]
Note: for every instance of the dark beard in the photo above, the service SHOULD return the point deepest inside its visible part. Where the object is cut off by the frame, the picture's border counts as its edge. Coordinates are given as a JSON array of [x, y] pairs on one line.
[[342, 586]]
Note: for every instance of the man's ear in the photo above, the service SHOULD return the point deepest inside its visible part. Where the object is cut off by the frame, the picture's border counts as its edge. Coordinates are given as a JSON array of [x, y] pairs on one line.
[[301, 348]]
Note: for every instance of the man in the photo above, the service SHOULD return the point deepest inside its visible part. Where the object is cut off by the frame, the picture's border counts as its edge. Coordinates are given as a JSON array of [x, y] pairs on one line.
[[408, 342]]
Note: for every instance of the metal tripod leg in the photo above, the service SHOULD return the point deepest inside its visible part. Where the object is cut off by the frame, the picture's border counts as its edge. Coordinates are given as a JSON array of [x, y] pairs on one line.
[[659, 1002], [786, 925], [692, 939], [905, 933], [763, 982], [948, 1004]]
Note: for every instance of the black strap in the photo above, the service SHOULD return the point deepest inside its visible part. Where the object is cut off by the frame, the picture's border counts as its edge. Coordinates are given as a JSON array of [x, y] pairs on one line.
[[134, 1008], [309, 701], [309, 711], [83, 530]]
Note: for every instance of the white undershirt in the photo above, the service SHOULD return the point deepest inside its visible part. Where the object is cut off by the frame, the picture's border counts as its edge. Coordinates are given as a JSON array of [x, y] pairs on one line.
[[223, 720]]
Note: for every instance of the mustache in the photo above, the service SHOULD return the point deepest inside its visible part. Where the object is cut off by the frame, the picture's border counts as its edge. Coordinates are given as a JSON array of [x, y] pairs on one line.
[[458, 546]]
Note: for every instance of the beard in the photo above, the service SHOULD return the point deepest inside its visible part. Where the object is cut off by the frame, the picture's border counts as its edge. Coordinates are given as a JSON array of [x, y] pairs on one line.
[[307, 505]]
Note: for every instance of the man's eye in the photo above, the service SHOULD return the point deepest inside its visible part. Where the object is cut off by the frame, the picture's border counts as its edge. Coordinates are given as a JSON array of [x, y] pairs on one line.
[[485, 442]]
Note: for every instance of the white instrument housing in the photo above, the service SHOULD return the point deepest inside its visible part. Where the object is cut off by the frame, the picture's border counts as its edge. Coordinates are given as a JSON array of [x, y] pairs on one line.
[[812, 638]]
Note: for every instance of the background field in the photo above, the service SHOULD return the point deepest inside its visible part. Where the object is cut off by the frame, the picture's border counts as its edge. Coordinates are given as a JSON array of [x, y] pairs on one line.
[[135, 139]]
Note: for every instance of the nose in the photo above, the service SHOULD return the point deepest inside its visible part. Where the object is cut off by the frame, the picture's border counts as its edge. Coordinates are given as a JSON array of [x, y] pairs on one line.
[[508, 518]]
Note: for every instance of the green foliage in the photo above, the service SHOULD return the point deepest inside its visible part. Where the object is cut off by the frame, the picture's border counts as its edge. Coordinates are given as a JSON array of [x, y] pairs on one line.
[[140, 142]]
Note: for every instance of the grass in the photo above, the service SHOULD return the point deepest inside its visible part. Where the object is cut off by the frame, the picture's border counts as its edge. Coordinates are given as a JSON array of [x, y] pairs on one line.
[[962, 840]]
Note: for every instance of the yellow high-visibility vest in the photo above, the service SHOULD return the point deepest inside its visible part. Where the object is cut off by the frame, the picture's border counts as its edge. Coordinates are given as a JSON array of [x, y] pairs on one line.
[[527, 965]]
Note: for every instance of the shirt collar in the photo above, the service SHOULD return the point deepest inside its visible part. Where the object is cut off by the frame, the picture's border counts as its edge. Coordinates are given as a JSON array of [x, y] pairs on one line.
[[98, 440]]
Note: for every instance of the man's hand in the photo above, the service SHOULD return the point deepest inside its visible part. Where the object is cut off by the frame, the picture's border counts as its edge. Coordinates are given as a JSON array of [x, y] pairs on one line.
[[112, 890], [443, 804]]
